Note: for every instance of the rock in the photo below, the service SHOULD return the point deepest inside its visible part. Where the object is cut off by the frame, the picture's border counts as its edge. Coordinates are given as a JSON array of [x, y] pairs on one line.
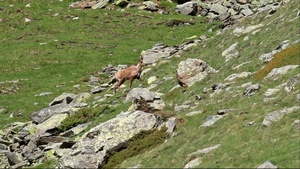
[[280, 71], [236, 76], [218, 9], [193, 163], [44, 94], [157, 52], [188, 8], [224, 111], [210, 120], [150, 6], [65, 98], [224, 16], [181, 107], [290, 86], [3, 160], [121, 3], [111, 135], [194, 113], [240, 65], [268, 56], [250, 123], [246, 12], [278, 115], [152, 79], [75, 130], [14, 158], [219, 86], [144, 98], [271, 92], [42, 115], [97, 89], [171, 124], [230, 49], [242, 1], [50, 139], [298, 97], [100, 4], [296, 123], [251, 90], [51, 123], [94, 80], [192, 71], [242, 30], [206, 150], [267, 164]]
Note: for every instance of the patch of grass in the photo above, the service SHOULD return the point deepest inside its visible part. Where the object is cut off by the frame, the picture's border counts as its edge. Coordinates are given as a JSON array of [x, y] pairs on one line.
[[288, 56], [82, 116], [140, 143]]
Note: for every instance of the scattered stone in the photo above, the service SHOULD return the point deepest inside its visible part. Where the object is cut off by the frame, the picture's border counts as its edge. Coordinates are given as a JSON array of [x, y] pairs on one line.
[[268, 56], [193, 163], [267, 164], [240, 65], [225, 111], [181, 107], [251, 90], [290, 86], [44, 94], [100, 4], [149, 6], [192, 71], [157, 52], [218, 9], [236, 76], [298, 97], [242, 30], [97, 89], [152, 79], [271, 92], [171, 124], [75, 130], [94, 80], [51, 123], [278, 115], [230, 49], [27, 20], [193, 113], [250, 123], [276, 72], [65, 98], [297, 123], [219, 86], [206, 150], [210, 120], [188, 8], [246, 12]]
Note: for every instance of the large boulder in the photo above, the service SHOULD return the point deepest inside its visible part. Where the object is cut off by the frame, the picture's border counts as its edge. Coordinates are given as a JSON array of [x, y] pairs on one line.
[[157, 52], [192, 71], [188, 8], [100, 4], [218, 9], [91, 149]]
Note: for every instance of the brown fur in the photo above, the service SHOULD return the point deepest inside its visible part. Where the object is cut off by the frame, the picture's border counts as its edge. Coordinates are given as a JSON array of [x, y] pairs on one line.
[[130, 73]]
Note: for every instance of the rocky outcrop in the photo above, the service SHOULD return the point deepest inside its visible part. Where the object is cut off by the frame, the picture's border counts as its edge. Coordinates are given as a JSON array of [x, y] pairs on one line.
[[91, 149], [276, 72], [157, 52], [188, 8], [192, 71]]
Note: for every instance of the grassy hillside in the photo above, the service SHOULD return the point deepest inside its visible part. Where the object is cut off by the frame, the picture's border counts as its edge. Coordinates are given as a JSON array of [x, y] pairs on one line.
[[58, 50]]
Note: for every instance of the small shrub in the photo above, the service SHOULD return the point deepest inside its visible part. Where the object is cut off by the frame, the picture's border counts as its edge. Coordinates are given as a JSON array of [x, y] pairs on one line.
[[288, 56], [140, 143], [82, 116]]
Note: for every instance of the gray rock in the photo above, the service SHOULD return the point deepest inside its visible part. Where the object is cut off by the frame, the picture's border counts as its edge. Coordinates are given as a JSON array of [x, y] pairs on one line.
[[230, 49], [150, 6], [246, 12], [181, 107], [3, 160], [218, 86], [218, 9], [267, 164], [251, 90], [42, 115], [171, 124], [264, 2], [205, 150], [121, 3], [142, 96], [280, 71], [237, 76], [224, 16], [188, 8], [51, 123], [111, 135], [194, 113], [271, 92], [100, 4], [14, 158], [157, 52], [193, 163], [210, 120], [290, 86], [278, 115], [94, 80], [44, 94], [242, 1], [298, 97], [224, 111], [192, 71], [267, 57], [242, 30], [97, 89], [75, 130], [65, 98]]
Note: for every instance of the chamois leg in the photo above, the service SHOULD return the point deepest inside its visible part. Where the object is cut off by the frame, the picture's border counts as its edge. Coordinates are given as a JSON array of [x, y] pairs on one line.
[[118, 86], [131, 79], [139, 78]]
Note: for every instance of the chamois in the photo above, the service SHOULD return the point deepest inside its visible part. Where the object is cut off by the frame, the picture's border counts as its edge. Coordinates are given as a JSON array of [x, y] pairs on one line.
[[130, 73]]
